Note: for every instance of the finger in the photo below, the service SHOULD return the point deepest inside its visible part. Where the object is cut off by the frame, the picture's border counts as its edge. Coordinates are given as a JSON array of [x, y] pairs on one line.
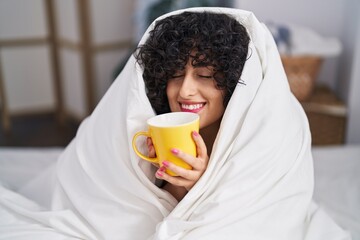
[[200, 145], [156, 165], [177, 181], [182, 172], [152, 152], [196, 163], [151, 149]]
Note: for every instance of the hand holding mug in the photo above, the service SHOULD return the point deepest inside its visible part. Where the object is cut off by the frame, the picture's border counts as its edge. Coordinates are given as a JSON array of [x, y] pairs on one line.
[[186, 177], [170, 131]]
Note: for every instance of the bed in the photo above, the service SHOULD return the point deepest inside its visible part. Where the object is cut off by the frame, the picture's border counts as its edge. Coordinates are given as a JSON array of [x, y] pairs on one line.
[[337, 178], [337, 184]]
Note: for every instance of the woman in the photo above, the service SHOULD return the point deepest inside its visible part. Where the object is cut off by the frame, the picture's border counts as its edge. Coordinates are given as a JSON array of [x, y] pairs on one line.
[[192, 63], [258, 181]]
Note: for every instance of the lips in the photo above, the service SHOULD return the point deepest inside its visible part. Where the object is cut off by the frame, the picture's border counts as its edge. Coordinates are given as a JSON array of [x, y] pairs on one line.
[[191, 107]]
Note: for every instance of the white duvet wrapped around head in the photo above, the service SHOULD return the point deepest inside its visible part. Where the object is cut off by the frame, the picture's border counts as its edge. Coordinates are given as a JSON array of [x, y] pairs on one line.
[[258, 183]]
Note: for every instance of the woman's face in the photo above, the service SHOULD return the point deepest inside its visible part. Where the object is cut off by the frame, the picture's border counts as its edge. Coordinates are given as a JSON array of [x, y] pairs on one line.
[[194, 90]]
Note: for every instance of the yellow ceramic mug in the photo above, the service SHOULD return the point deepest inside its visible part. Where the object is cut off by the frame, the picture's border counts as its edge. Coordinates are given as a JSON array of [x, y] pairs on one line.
[[168, 131]]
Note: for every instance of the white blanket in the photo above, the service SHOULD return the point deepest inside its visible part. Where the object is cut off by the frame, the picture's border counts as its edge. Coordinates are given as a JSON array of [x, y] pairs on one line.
[[258, 184]]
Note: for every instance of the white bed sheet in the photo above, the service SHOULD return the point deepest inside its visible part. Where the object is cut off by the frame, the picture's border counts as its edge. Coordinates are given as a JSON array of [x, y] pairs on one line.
[[337, 184], [28, 171], [337, 178]]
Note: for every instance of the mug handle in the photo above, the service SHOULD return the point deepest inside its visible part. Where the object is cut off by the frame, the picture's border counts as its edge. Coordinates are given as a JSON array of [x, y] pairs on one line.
[[153, 160]]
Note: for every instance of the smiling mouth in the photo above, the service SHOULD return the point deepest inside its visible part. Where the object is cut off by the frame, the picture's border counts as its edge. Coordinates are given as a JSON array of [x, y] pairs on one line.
[[191, 107]]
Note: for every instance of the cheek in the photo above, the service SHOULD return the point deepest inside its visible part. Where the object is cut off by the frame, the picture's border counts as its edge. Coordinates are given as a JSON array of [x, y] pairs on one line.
[[218, 98], [171, 93]]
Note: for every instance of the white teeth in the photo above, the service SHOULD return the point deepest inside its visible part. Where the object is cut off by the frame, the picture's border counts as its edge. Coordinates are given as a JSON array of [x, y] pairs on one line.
[[192, 106]]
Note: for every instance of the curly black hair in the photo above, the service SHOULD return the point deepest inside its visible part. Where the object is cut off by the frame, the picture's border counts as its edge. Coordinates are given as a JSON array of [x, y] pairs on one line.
[[217, 40]]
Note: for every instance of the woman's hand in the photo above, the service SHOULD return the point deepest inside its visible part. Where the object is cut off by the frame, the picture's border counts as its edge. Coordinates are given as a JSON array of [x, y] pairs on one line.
[[151, 150], [186, 178]]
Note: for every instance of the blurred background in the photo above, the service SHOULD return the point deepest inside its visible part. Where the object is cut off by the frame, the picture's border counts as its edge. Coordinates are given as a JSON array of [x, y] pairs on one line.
[[58, 58]]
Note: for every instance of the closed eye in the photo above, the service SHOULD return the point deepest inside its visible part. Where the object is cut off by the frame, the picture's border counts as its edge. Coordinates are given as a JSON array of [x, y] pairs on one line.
[[205, 76], [177, 76]]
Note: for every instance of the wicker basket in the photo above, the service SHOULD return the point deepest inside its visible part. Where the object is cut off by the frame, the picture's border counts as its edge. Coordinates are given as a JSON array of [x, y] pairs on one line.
[[327, 116], [301, 72]]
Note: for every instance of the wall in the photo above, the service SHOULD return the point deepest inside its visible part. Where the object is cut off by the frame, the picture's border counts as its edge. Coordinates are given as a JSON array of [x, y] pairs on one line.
[[351, 70]]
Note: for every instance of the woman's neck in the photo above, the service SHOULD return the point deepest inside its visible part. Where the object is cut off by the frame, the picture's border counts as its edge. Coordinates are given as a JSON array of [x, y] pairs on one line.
[[209, 134]]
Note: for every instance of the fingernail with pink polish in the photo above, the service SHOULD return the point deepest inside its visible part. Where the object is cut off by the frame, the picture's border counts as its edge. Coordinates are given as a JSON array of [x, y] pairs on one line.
[[195, 133], [159, 173], [162, 169], [165, 163], [175, 151]]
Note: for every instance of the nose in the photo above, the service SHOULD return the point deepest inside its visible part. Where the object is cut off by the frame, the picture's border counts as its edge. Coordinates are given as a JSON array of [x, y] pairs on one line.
[[188, 86]]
